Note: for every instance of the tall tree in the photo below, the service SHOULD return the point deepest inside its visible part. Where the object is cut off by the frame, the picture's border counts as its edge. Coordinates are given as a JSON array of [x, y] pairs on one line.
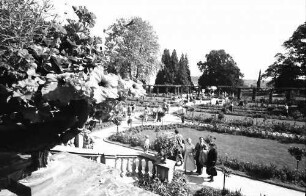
[[259, 79], [183, 73], [163, 76], [219, 69], [131, 48], [289, 69]]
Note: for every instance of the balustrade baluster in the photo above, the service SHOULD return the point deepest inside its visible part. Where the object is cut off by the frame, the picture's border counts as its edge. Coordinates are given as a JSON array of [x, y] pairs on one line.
[[122, 168], [147, 167], [128, 171], [140, 167], [153, 170], [134, 166]]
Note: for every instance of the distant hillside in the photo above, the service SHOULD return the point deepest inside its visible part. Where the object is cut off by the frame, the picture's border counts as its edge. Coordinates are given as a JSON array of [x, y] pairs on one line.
[[248, 83]]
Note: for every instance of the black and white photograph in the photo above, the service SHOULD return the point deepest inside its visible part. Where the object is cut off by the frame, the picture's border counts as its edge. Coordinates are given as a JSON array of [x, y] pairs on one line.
[[153, 97]]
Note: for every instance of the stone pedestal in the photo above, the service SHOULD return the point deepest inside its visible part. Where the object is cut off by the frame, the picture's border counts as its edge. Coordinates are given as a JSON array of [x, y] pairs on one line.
[[165, 171]]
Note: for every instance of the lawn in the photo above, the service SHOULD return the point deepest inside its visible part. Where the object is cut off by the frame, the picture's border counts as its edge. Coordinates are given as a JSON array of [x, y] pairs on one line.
[[244, 148]]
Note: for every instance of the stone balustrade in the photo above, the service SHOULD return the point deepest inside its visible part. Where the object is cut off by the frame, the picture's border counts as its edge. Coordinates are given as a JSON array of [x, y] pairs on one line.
[[132, 165]]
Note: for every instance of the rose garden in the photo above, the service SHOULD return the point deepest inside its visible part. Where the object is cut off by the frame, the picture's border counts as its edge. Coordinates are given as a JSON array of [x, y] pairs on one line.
[[60, 90]]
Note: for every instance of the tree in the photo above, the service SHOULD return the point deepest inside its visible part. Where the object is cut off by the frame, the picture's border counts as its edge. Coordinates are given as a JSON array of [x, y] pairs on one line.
[[163, 76], [289, 69], [131, 48], [259, 79], [219, 69], [51, 82], [183, 73]]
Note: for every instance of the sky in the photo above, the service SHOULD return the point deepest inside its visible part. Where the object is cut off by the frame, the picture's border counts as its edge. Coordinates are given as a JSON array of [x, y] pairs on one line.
[[251, 31]]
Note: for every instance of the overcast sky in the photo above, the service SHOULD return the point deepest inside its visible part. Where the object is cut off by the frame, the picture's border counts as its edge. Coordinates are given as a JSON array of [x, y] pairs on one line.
[[251, 31]]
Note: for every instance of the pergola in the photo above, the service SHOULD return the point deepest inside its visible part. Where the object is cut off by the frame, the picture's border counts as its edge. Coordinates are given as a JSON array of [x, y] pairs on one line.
[[167, 87]]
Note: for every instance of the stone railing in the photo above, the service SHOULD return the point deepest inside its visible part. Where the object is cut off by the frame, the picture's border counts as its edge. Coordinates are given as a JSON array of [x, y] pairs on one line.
[[131, 165]]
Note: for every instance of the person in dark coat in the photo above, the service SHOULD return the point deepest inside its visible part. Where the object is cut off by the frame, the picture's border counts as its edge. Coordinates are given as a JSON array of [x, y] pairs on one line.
[[211, 162], [200, 155]]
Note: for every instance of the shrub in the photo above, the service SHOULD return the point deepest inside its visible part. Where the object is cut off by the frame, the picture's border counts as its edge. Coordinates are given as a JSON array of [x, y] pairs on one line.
[[165, 143], [178, 186], [207, 191]]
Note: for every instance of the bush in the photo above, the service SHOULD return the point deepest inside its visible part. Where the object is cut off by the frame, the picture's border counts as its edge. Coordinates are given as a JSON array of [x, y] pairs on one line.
[[178, 186], [207, 191]]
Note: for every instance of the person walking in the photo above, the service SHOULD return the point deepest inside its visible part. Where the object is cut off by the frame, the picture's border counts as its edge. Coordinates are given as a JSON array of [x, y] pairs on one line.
[[201, 155], [189, 163], [211, 161]]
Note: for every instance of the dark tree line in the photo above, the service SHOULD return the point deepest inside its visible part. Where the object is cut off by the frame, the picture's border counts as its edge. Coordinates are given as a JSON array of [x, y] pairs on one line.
[[174, 71]]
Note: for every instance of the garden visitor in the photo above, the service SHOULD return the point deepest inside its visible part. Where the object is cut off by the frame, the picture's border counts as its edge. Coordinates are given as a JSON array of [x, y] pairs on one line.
[[133, 107], [129, 110], [159, 114], [231, 107], [201, 155], [286, 109], [146, 144], [145, 114], [179, 139], [189, 163], [183, 118], [129, 122], [211, 161]]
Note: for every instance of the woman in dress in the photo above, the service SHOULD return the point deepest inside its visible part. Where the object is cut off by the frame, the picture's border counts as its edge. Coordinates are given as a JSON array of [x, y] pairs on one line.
[[211, 161], [201, 150], [189, 163]]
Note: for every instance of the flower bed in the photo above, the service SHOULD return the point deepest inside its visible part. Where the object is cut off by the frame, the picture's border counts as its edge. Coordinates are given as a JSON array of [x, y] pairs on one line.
[[280, 132], [265, 171], [261, 112]]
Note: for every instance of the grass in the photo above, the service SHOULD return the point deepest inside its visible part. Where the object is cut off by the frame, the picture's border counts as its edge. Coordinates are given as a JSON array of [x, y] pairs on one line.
[[244, 148]]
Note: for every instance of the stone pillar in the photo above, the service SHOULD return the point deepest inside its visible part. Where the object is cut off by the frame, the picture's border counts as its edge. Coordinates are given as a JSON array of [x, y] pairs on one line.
[[254, 94], [239, 94], [157, 90], [167, 90], [271, 96]]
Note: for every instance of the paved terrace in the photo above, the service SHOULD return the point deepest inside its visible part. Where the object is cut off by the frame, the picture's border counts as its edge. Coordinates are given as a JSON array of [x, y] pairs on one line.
[[247, 186]]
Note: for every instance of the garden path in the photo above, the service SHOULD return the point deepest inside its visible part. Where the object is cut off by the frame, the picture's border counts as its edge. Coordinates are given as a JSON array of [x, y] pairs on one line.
[[247, 186]]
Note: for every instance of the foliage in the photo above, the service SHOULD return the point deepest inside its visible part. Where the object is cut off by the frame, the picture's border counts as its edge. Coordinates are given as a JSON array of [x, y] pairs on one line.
[[290, 67], [165, 144], [51, 76], [219, 69], [131, 48], [297, 152], [174, 71], [208, 191], [177, 187], [262, 171]]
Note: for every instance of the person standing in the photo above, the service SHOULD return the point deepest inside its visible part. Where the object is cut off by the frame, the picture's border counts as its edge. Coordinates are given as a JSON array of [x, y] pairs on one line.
[[146, 144], [189, 163], [200, 155], [211, 161], [145, 114]]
